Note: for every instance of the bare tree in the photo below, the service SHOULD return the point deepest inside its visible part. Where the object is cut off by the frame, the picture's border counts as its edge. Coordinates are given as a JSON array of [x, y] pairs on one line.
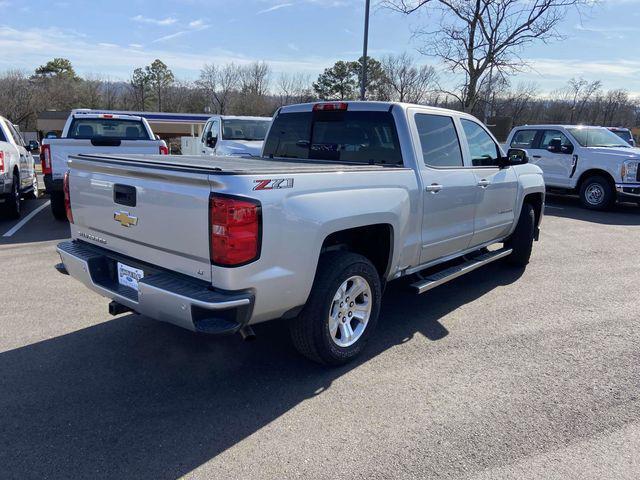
[[17, 98], [218, 84], [406, 81], [581, 92], [480, 38], [254, 88], [294, 88]]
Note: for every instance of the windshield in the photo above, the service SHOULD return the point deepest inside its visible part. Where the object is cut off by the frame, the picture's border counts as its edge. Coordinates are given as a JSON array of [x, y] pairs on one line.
[[238, 129], [345, 136], [112, 128], [597, 137]]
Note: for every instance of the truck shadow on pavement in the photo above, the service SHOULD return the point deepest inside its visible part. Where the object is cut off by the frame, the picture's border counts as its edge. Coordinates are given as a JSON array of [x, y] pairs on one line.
[[133, 398], [570, 207]]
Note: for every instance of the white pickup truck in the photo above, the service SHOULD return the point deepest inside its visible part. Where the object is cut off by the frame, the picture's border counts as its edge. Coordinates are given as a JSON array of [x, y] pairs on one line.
[[346, 197], [87, 132], [17, 173], [593, 162], [225, 135]]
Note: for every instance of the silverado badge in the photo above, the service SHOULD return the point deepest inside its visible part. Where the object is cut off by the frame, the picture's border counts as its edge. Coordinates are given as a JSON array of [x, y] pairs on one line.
[[125, 219]]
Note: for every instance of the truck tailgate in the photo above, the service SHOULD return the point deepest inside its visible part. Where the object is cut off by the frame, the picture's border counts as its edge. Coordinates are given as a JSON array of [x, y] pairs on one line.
[[156, 216], [63, 148]]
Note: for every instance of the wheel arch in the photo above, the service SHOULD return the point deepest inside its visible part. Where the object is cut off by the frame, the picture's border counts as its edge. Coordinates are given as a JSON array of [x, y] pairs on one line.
[[374, 242], [536, 200], [595, 172]]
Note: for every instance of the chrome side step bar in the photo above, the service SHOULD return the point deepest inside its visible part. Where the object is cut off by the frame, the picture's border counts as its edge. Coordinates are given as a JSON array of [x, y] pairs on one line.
[[437, 279]]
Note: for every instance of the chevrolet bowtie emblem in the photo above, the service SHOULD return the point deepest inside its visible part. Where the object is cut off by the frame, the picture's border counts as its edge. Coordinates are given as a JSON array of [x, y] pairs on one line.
[[125, 219]]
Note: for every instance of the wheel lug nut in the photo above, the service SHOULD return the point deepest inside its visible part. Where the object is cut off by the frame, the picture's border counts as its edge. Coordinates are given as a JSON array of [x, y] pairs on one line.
[[351, 304], [341, 304], [350, 314]]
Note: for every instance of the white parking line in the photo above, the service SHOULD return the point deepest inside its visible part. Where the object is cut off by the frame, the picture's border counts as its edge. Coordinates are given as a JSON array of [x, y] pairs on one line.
[[24, 221]]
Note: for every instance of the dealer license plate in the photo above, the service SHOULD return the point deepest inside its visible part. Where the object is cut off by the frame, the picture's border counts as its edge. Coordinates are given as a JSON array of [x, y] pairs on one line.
[[129, 276]]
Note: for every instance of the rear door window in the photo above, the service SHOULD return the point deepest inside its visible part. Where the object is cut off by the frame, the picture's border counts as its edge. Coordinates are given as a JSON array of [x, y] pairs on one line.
[[439, 140], [95, 128], [344, 136], [524, 139]]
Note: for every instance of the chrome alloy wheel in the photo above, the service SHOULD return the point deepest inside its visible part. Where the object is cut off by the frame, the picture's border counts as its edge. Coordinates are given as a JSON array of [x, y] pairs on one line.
[[350, 311], [594, 194]]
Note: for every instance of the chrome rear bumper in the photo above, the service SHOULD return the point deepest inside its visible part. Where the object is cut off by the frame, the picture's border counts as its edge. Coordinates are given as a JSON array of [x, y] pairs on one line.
[[161, 295]]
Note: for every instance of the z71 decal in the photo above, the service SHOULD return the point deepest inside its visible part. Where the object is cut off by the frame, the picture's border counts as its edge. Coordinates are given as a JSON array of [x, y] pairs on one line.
[[273, 184]]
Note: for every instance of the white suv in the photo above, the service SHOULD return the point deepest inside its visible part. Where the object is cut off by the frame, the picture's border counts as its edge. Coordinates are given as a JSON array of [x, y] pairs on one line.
[[593, 162]]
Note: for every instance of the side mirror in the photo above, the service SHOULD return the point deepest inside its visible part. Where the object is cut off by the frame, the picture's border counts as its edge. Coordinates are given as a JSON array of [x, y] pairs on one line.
[[515, 156], [568, 149], [211, 140], [32, 146], [555, 146]]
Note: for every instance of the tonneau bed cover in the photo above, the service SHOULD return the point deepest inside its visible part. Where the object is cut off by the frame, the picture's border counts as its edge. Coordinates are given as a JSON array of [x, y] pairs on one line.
[[230, 165]]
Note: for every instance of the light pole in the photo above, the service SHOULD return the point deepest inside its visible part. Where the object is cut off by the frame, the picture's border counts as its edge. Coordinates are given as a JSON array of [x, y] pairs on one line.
[[363, 87]]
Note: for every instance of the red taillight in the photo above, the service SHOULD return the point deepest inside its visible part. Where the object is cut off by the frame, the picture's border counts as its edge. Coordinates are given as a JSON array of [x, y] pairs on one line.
[[164, 150], [324, 107], [234, 225], [106, 115], [45, 159], [67, 197], [1, 162]]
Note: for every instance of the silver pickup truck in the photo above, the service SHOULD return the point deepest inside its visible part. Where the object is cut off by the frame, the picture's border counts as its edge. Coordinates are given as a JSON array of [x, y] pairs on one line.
[[346, 197]]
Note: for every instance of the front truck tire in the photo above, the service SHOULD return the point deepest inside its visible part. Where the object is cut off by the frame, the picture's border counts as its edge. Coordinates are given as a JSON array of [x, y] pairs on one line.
[[522, 239], [341, 312], [57, 206], [597, 193]]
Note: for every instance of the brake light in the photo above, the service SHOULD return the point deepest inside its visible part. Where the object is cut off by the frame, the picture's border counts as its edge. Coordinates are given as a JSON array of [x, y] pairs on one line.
[[326, 107], [67, 197], [235, 230], [1, 162], [45, 159], [164, 150], [106, 115]]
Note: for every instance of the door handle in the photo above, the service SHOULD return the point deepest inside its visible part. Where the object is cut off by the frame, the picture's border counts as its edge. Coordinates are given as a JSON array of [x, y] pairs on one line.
[[484, 183], [433, 188], [537, 156]]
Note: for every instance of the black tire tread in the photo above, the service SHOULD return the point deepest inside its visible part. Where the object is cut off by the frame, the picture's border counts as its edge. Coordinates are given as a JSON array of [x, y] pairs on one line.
[[10, 208], [306, 331], [57, 206], [522, 239], [610, 194]]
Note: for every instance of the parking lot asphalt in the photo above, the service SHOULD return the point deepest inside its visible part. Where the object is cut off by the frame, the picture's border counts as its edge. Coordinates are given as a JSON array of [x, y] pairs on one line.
[[500, 374]]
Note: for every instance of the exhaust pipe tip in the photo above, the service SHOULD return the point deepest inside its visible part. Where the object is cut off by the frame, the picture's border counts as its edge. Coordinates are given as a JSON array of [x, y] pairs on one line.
[[247, 333]]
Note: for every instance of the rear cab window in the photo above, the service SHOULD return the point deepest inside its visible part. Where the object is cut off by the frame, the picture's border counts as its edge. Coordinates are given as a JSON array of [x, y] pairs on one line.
[[367, 137], [108, 128]]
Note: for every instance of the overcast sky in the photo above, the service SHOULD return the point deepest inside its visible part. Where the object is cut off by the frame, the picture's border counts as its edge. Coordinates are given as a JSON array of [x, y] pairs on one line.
[[112, 38]]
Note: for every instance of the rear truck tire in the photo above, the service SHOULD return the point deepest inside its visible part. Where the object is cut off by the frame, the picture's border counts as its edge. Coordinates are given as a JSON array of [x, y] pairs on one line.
[[57, 206], [522, 239], [596, 193], [12, 202], [342, 310]]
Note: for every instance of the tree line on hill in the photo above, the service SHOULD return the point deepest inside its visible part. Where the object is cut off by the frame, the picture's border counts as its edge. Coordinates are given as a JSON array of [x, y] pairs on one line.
[[254, 89]]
